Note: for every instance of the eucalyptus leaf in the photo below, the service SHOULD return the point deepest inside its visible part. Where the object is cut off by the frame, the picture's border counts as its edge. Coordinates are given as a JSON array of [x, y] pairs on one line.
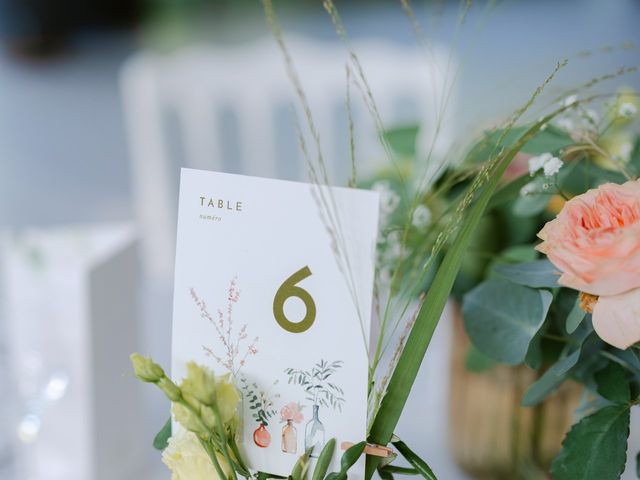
[[575, 317], [530, 205], [551, 379], [612, 384], [502, 318], [478, 362], [536, 274], [595, 448]]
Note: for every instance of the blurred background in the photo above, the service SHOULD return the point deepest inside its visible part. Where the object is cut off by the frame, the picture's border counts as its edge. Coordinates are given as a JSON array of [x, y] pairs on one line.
[[101, 103]]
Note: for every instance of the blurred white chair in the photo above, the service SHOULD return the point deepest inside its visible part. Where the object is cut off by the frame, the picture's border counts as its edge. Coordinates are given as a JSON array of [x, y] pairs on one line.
[[227, 109], [70, 299]]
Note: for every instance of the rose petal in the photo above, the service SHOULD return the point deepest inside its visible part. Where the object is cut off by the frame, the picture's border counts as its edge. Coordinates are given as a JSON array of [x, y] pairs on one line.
[[616, 319]]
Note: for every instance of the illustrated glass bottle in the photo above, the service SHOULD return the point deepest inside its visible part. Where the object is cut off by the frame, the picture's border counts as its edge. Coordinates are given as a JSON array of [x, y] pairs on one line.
[[289, 438], [314, 434]]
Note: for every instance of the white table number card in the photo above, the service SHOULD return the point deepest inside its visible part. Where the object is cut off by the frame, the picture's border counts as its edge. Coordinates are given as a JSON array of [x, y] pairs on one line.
[[273, 283]]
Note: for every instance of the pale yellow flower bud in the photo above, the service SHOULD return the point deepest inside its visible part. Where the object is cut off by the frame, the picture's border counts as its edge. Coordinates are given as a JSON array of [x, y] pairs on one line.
[[170, 389], [146, 369]]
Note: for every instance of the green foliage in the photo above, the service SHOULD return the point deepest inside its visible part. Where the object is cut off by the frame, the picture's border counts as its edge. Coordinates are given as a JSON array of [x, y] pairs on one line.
[[348, 460], [316, 384], [595, 448], [502, 318], [478, 362], [536, 274], [612, 384], [416, 462], [575, 316], [324, 460], [161, 440], [551, 379], [403, 139]]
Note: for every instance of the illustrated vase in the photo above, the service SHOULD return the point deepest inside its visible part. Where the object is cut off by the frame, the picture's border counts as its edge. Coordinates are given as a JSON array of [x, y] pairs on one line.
[[493, 437], [262, 437], [289, 438], [314, 434]]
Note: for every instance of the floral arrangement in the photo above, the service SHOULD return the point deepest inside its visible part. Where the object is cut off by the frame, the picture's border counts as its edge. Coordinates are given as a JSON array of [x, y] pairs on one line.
[[574, 314], [466, 229]]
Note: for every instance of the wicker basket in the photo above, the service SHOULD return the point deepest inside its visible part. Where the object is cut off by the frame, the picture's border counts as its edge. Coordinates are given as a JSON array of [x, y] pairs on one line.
[[490, 435]]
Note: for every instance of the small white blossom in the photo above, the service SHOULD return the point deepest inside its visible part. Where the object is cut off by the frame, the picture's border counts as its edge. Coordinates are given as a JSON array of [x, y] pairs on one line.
[[592, 116], [389, 200], [627, 110], [528, 189], [537, 163], [564, 123], [570, 100], [421, 217], [552, 166]]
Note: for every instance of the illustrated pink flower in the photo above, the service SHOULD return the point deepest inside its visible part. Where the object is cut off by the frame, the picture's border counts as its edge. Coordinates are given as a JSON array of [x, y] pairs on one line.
[[292, 411], [595, 242]]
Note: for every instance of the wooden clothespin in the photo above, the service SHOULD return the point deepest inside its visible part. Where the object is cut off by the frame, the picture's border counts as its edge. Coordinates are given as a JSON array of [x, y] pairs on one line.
[[371, 449]]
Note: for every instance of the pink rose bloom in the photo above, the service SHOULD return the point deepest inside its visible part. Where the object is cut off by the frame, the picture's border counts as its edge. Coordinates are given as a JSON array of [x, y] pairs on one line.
[[595, 242], [292, 411]]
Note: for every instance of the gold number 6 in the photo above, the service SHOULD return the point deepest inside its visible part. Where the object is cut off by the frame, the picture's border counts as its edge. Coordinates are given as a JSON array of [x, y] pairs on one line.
[[290, 289]]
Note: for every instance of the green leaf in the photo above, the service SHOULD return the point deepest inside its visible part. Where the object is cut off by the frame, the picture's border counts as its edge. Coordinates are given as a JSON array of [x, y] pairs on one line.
[[408, 365], [399, 470], [478, 362], [551, 379], [351, 456], [595, 448], [324, 460], [302, 464], [575, 317], [638, 465], [502, 318], [536, 274], [402, 140], [612, 384], [161, 440], [410, 456], [530, 205]]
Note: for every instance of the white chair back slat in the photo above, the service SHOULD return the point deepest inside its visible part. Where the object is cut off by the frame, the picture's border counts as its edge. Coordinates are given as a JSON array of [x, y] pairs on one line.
[[229, 104]]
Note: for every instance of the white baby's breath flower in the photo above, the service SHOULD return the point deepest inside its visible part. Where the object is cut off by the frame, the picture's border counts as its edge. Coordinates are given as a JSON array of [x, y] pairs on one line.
[[570, 100], [627, 110], [528, 189], [592, 116], [537, 163], [389, 200], [421, 217], [552, 166], [564, 123]]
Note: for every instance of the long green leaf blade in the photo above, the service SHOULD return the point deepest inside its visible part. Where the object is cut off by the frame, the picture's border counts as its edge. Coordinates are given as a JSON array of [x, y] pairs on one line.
[[418, 341]]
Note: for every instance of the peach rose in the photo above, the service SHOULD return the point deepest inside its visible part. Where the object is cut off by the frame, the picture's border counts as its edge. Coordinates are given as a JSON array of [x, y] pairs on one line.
[[595, 242]]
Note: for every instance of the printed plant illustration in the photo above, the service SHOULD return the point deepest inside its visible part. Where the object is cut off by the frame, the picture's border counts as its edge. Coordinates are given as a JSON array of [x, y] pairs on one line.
[[291, 413], [231, 340], [320, 391], [261, 404]]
